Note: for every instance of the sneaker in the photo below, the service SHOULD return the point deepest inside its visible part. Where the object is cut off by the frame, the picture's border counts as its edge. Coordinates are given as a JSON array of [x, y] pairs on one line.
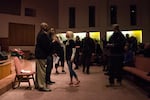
[[70, 83], [77, 83]]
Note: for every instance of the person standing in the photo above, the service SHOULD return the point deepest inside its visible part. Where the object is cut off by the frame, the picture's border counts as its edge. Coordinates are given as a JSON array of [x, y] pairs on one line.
[[128, 56], [62, 60], [116, 45], [70, 54], [77, 54], [88, 50], [49, 61], [98, 53], [42, 50], [59, 53]]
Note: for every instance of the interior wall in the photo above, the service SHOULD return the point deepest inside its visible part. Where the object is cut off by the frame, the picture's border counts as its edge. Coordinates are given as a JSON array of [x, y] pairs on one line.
[[103, 16], [55, 13], [46, 11]]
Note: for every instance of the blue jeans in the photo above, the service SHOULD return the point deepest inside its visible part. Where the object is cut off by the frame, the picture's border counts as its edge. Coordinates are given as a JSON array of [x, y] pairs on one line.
[[72, 72]]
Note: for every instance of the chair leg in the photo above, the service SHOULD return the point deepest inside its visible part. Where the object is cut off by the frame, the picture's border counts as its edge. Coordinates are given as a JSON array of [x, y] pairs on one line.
[[29, 84], [21, 79], [19, 84], [33, 80]]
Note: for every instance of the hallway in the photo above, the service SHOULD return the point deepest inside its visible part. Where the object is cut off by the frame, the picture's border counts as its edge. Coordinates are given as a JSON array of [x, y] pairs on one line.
[[92, 87]]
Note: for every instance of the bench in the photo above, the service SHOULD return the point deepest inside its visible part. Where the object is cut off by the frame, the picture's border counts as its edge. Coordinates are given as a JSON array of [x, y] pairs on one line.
[[141, 70]]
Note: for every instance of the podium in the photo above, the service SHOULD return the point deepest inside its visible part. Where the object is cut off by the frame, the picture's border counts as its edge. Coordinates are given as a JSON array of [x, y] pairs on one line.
[[5, 68]]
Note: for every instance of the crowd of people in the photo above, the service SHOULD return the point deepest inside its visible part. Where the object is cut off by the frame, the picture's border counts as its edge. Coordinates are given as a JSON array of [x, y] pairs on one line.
[[50, 49]]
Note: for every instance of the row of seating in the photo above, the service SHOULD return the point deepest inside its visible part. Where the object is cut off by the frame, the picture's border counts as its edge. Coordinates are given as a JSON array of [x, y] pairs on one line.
[[141, 70]]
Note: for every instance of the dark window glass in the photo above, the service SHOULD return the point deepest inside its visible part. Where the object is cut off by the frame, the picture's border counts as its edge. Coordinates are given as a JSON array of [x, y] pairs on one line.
[[71, 17], [133, 15], [10, 7], [91, 16], [30, 12], [113, 14]]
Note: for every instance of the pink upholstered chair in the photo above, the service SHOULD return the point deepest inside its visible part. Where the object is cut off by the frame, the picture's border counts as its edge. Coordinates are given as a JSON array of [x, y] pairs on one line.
[[21, 74]]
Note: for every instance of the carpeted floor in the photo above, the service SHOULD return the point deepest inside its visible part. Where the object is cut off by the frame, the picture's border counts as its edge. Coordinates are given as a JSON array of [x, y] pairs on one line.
[[92, 87]]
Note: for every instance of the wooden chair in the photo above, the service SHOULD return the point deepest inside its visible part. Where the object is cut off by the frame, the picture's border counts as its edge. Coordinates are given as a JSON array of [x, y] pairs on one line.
[[21, 74]]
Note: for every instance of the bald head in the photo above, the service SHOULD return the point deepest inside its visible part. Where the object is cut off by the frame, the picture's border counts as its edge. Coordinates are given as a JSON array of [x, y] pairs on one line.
[[44, 26]]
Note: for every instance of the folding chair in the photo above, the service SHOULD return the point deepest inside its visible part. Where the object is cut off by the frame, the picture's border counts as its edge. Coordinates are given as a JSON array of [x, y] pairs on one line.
[[21, 74]]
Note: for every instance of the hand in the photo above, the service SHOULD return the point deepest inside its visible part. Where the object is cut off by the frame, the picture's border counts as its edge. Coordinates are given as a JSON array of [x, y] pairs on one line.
[[54, 41], [55, 54], [110, 45]]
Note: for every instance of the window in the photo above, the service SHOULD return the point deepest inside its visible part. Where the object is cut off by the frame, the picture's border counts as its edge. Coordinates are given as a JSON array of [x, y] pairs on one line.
[[30, 12], [91, 16], [133, 15], [71, 17], [113, 14], [10, 7]]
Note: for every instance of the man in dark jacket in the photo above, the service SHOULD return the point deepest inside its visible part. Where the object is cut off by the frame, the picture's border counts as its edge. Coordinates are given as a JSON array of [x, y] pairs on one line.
[[42, 50], [116, 45], [88, 46]]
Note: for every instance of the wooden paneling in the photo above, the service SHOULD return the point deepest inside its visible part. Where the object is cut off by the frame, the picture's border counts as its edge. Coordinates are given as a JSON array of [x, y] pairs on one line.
[[21, 34], [5, 69], [4, 44]]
